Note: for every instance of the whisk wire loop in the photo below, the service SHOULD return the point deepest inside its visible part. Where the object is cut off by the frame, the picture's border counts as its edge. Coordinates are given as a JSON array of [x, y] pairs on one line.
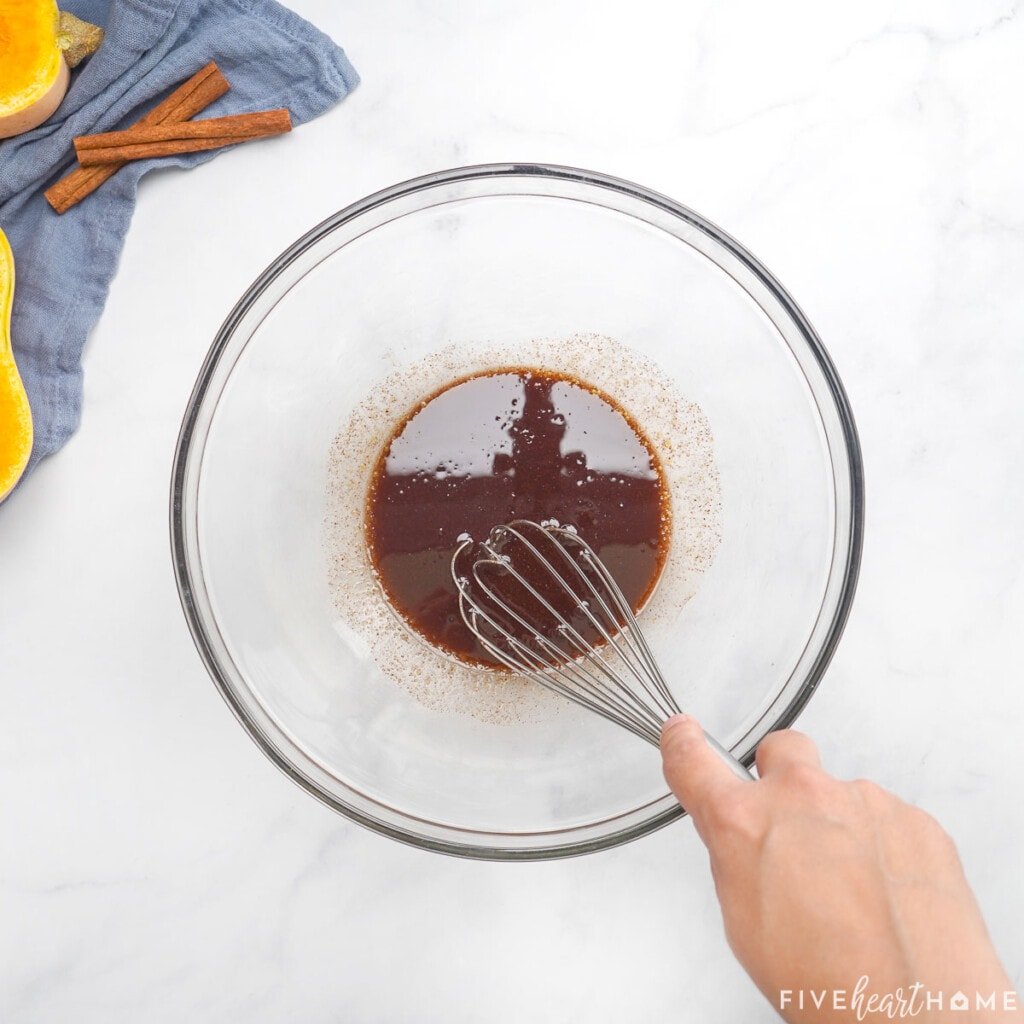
[[629, 628], [615, 674], [589, 691], [565, 628], [617, 627], [552, 659]]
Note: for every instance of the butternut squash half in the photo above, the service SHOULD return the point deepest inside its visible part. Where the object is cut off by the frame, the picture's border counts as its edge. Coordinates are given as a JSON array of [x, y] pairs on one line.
[[38, 46], [15, 415]]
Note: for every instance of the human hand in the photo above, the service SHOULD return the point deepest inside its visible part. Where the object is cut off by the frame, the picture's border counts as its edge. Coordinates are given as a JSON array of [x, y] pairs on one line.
[[823, 882]]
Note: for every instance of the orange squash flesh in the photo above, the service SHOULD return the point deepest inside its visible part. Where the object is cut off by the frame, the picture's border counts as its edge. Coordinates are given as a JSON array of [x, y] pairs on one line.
[[38, 44], [15, 414], [31, 57]]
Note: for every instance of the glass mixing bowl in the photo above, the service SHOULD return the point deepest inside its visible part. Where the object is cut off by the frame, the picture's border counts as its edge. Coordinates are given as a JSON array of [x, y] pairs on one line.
[[444, 268]]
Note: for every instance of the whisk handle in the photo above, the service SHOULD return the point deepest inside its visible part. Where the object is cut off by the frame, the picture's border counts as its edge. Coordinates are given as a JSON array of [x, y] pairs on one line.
[[737, 768]]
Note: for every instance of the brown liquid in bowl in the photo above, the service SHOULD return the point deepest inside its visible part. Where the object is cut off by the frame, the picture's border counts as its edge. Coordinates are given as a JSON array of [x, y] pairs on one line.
[[510, 444]]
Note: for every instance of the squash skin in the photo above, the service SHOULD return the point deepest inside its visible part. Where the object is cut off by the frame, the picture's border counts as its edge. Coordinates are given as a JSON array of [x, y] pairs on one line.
[[15, 413]]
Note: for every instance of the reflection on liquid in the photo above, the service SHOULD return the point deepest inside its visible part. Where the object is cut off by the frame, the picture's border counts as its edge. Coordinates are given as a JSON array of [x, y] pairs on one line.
[[510, 444]]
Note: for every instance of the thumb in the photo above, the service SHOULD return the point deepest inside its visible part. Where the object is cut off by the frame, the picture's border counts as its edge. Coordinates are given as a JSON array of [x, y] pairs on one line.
[[695, 772]]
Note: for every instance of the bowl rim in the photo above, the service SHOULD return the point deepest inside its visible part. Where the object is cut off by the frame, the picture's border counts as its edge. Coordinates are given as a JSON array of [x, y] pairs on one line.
[[183, 450]]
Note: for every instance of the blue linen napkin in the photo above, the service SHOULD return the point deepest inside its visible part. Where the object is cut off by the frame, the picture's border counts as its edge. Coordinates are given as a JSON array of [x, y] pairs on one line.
[[64, 264]]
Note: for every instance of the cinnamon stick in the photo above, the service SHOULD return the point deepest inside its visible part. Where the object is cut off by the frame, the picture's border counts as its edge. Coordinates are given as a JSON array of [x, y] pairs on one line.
[[191, 97], [144, 141]]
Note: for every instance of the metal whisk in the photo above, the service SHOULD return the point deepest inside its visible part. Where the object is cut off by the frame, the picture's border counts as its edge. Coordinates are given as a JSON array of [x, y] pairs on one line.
[[529, 595]]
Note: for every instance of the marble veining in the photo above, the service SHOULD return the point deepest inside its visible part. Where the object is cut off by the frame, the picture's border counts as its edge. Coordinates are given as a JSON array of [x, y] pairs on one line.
[[155, 867]]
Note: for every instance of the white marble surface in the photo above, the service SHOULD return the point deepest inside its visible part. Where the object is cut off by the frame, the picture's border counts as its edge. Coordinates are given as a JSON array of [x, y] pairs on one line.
[[155, 867]]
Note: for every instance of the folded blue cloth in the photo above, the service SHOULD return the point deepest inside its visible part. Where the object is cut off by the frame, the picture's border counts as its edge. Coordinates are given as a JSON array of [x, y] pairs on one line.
[[64, 264]]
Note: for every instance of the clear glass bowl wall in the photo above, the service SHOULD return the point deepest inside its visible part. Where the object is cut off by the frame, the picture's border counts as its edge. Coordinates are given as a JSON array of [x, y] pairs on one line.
[[480, 256]]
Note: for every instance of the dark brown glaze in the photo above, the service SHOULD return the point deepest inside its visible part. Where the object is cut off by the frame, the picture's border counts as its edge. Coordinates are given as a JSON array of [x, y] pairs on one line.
[[510, 444]]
